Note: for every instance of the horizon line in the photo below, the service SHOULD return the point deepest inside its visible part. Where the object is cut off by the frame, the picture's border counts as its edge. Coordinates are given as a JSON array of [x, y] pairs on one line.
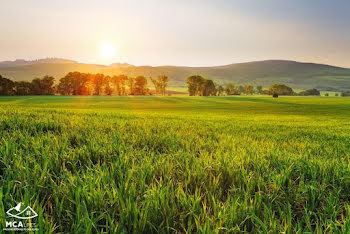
[[166, 65]]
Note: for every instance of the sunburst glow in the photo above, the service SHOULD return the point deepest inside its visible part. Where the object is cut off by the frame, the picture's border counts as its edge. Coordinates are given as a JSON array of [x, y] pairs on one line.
[[107, 50]]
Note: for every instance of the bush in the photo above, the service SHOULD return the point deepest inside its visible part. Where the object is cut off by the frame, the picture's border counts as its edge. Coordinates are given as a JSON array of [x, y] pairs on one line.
[[345, 94], [275, 95], [310, 92], [326, 94]]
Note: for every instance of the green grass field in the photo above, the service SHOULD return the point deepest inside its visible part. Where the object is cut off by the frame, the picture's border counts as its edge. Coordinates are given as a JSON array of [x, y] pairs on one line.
[[178, 164]]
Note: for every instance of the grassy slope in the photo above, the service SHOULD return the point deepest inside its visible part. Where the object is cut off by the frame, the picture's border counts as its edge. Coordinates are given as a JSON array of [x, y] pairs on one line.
[[297, 75], [148, 164]]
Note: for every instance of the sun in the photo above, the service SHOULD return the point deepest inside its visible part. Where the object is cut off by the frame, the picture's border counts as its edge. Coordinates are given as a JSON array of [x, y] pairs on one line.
[[107, 50]]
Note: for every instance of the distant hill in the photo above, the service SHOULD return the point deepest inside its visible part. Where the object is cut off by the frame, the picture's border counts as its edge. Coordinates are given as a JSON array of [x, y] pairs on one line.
[[295, 74], [21, 62]]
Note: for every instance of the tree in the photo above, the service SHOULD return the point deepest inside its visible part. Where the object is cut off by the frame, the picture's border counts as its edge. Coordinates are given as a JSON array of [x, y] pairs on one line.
[[131, 84], [209, 88], [74, 83], [220, 90], [140, 87], [230, 89], [108, 89], [43, 86], [119, 84], [248, 89], [23, 88], [199, 86], [99, 81], [345, 94], [239, 90], [196, 85], [7, 86], [64, 87], [259, 88], [163, 81], [281, 89], [157, 85], [310, 92]]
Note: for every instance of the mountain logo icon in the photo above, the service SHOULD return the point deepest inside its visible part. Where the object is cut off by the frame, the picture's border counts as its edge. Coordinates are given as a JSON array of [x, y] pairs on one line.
[[16, 212]]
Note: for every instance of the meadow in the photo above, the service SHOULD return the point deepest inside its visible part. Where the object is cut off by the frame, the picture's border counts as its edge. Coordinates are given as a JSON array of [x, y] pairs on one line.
[[177, 164]]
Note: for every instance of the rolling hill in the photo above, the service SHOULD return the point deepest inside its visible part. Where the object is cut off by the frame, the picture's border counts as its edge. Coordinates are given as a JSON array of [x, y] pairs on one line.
[[295, 74]]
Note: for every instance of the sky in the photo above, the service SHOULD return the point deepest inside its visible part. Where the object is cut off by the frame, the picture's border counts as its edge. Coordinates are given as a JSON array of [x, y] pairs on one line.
[[182, 32]]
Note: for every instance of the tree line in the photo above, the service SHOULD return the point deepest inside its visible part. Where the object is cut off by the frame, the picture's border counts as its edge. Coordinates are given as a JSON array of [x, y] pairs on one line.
[[199, 86], [77, 83]]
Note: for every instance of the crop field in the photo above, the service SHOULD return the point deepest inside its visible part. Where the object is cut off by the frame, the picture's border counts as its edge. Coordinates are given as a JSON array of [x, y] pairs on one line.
[[177, 164]]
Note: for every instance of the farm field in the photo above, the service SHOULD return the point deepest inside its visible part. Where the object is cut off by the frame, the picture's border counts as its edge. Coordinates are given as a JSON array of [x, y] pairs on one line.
[[177, 164]]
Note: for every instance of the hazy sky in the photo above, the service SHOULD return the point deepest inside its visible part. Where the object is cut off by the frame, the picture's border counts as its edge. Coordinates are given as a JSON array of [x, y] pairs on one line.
[[177, 32]]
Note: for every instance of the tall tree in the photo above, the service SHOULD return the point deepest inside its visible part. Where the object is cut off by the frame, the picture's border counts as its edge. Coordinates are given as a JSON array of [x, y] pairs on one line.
[[99, 82], [196, 85], [209, 88], [220, 90], [140, 86], [160, 84], [23, 88], [64, 87], [7, 86], [74, 83], [108, 89], [230, 89], [248, 89], [157, 85], [131, 84], [43, 86], [259, 88], [163, 80], [119, 84], [239, 89]]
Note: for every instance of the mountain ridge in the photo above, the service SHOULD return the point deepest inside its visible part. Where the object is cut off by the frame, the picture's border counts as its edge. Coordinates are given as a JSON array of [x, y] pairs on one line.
[[298, 75]]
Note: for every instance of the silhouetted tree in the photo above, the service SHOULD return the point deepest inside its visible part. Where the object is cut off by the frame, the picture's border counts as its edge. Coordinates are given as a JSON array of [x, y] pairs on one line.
[[7, 86], [43, 86], [23, 88], [74, 83]]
